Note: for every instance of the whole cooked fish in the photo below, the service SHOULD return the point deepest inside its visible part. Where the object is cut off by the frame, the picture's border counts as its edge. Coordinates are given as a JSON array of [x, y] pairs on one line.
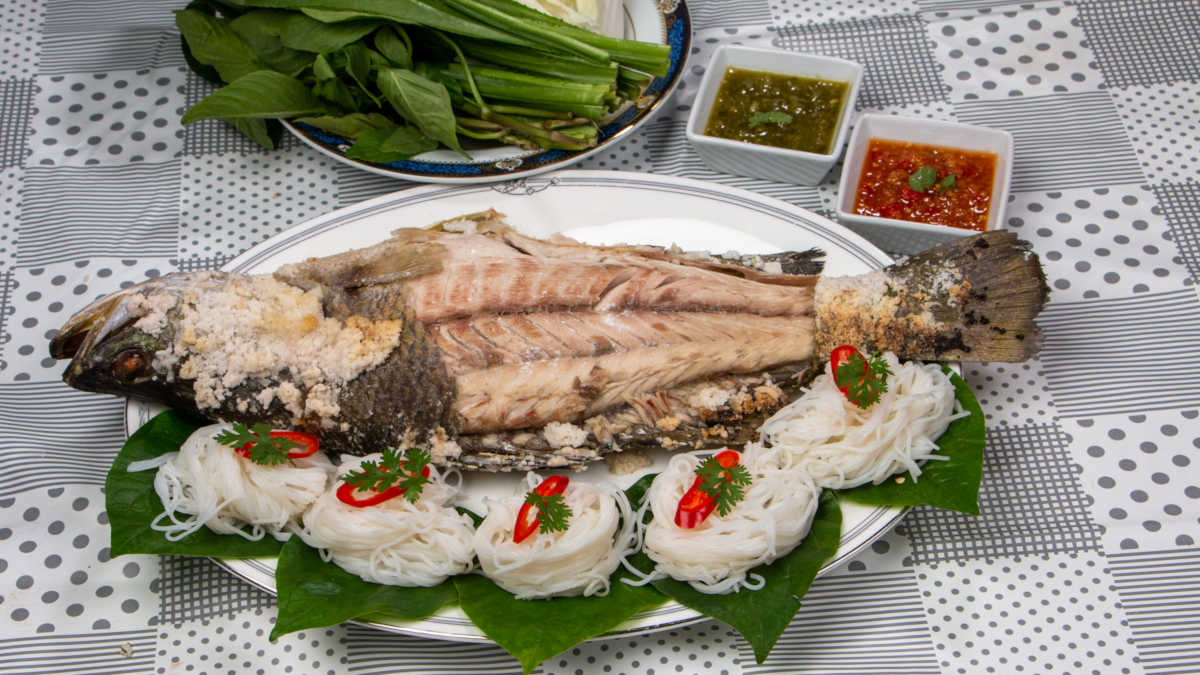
[[506, 352]]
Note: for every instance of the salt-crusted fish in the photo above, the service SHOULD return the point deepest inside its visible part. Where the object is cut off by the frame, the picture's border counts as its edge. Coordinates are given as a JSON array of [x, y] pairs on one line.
[[506, 352]]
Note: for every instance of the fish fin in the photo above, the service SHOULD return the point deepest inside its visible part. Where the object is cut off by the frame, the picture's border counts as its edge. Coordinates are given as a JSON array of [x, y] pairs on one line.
[[973, 299], [392, 260]]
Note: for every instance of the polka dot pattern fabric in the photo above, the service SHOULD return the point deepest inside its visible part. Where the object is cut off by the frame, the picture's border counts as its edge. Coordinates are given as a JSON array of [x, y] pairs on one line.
[[1083, 557]]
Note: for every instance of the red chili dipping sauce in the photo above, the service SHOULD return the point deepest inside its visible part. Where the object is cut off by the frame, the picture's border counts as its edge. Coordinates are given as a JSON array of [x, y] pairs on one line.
[[926, 184]]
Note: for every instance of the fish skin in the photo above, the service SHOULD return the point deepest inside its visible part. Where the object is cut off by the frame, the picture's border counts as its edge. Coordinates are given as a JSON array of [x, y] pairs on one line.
[[489, 335]]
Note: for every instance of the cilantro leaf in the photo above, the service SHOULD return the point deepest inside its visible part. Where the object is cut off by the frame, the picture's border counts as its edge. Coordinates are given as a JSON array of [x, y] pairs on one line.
[[264, 448], [725, 486], [553, 514], [923, 178], [771, 117], [948, 183], [863, 380], [406, 472]]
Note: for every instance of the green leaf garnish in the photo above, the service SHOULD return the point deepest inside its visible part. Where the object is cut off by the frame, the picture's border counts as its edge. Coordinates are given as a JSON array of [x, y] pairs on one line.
[[771, 117], [726, 487], [923, 178], [948, 183], [132, 504], [864, 380], [553, 514], [393, 470], [265, 449]]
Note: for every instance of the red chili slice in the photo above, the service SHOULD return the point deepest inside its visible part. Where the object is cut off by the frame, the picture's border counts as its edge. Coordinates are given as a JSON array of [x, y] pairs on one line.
[[836, 357], [527, 525], [346, 493], [308, 442], [696, 505]]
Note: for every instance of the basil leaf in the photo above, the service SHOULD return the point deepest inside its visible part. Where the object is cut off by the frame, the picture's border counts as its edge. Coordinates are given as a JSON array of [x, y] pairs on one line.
[[416, 12], [314, 593], [561, 623], [348, 126], [761, 616], [359, 63], [422, 102], [304, 33], [946, 484], [394, 44], [213, 42], [923, 178], [772, 117], [132, 504], [262, 131], [265, 93], [394, 144], [260, 30]]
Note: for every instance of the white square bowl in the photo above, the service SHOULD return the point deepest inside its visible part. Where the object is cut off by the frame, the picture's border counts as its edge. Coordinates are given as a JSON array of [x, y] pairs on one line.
[[764, 161], [903, 236]]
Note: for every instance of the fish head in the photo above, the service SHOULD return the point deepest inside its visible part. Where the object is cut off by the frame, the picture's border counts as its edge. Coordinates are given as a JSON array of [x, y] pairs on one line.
[[111, 350]]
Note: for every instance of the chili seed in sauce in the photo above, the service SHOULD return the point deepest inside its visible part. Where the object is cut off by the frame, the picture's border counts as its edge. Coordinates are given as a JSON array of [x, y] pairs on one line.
[[884, 190], [813, 105]]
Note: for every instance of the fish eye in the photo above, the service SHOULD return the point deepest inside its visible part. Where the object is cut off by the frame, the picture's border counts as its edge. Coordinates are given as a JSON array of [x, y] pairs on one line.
[[130, 363]]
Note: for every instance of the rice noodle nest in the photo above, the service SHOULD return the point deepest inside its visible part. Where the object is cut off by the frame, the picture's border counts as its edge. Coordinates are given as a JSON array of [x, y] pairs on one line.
[[231, 494], [397, 542], [578, 561]]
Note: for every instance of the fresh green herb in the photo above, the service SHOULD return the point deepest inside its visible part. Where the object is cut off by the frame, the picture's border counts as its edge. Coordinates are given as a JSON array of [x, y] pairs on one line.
[[553, 514], [923, 178], [725, 486], [393, 470], [771, 117], [948, 183], [265, 449], [863, 380]]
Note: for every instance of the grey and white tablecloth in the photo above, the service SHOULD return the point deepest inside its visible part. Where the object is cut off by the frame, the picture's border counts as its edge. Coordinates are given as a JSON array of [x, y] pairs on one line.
[[1085, 557]]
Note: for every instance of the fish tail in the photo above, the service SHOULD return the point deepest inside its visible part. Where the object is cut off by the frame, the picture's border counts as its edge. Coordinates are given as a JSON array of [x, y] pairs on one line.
[[973, 299]]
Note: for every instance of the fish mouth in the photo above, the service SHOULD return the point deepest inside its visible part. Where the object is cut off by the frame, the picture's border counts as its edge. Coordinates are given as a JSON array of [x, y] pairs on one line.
[[90, 325]]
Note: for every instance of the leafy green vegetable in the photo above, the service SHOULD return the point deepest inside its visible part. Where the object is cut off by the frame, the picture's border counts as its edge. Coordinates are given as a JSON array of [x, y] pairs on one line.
[[950, 484], [761, 616], [213, 42], [132, 504], [923, 178], [261, 29], [350, 126], [771, 117], [265, 132], [260, 94], [394, 44], [314, 593], [561, 623], [307, 34], [948, 183], [401, 11], [423, 103], [390, 145]]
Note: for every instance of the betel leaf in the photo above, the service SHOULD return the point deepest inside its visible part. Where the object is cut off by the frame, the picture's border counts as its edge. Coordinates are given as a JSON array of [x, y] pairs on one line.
[[314, 593], [265, 93], [212, 42], [304, 33], [923, 178], [422, 102], [260, 30], [770, 117], [946, 484], [390, 145], [561, 623], [761, 616], [348, 126], [132, 504]]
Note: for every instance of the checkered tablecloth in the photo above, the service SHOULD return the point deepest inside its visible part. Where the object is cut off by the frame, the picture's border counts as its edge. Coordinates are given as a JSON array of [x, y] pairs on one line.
[[1085, 556]]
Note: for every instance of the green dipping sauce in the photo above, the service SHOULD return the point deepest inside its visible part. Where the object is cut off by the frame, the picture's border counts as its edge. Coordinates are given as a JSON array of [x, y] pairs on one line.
[[785, 111]]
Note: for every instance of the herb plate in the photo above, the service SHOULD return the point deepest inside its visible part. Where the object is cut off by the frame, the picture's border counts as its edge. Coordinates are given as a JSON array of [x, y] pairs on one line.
[[661, 21], [598, 207]]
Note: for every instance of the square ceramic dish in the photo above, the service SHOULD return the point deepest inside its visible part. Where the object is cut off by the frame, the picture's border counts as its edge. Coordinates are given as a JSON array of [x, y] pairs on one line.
[[764, 161], [902, 236]]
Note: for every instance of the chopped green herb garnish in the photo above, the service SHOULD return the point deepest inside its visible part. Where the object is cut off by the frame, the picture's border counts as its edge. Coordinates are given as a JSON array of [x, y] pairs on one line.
[[725, 486], [393, 470], [771, 117], [263, 448], [948, 183], [923, 178], [863, 380], [553, 514]]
